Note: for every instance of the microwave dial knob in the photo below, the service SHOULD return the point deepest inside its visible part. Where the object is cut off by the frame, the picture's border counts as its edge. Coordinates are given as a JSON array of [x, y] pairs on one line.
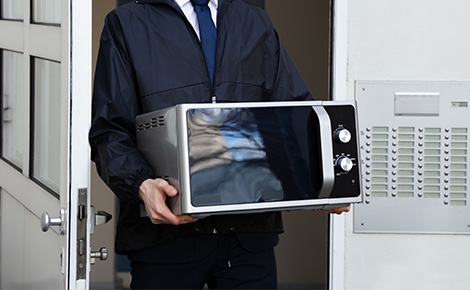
[[342, 135], [344, 164]]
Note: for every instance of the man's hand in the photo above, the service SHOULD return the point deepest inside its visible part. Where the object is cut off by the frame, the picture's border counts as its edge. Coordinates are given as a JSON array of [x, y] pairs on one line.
[[336, 210], [153, 192]]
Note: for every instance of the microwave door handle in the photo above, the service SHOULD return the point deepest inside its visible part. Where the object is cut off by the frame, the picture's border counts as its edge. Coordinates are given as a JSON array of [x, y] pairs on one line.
[[326, 147]]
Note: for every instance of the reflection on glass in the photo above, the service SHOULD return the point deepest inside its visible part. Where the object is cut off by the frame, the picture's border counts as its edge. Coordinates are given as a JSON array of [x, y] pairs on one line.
[[432, 137], [46, 154], [380, 179], [459, 130], [12, 9], [458, 152], [406, 151], [458, 202], [380, 150], [406, 144], [432, 180], [458, 181], [432, 130], [405, 158], [432, 187], [459, 137], [432, 173], [405, 165], [458, 145], [458, 173], [432, 144], [406, 136], [47, 11], [13, 107], [432, 158], [405, 194], [379, 194], [379, 172], [379, 165], [405, 187], [458, 195], [379, 136], [262, 154], [379, 157], [405, 172], [406, 129], [379, 187], [431, 195], [432, 166], [380, 143], [379, 129]]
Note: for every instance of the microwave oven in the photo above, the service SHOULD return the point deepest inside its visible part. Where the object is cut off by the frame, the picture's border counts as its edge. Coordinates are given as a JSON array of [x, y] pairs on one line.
[[228, 158]]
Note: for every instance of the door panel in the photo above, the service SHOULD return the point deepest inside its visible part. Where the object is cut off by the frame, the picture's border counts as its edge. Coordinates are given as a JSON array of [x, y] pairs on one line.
[[26, 250], [12, 238], [45, 86]]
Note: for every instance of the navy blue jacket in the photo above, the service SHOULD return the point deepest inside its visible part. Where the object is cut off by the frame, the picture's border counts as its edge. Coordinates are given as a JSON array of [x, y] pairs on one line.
[[150, 58]]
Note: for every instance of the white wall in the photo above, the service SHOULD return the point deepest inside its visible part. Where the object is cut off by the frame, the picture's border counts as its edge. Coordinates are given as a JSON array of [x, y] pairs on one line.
[[407, 40]]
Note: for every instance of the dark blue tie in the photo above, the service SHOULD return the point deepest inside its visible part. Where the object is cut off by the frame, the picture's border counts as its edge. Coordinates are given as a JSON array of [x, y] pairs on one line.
[[208, 34]]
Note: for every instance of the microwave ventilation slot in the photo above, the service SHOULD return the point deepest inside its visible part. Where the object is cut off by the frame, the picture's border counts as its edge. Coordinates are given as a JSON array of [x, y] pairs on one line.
[[153, 123]]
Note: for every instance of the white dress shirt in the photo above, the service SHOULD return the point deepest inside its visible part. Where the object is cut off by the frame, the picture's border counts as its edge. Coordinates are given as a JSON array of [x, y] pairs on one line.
[[190, 13]]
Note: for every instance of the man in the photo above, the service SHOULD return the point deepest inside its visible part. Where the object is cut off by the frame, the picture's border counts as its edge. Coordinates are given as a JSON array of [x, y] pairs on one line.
[[151, 57]]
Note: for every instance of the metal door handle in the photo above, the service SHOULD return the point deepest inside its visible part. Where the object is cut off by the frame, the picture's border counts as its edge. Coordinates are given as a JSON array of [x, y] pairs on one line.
[[102, 217], [47, 221], [98, 218], [102, 254]]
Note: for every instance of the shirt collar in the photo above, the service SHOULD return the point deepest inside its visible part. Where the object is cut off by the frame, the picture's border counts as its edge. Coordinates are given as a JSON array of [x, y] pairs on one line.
[[181, 3]]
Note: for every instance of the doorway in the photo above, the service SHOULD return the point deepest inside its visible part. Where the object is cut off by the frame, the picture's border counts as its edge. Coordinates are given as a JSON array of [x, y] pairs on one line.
[[302, 255]]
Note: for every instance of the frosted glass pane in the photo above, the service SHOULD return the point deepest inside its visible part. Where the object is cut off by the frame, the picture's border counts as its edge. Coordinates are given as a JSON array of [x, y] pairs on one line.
[[47, 11], [13, 114], [12, 9], [46, 161]]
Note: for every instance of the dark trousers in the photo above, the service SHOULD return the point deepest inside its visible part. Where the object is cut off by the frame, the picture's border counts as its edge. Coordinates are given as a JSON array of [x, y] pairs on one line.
[[222, 261]]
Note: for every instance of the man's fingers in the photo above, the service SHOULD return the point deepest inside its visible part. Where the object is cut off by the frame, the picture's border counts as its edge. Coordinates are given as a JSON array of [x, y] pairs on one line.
[[154, 193], [336, 210], [340, 210], [169, 218], [161, 214], [168, 189]]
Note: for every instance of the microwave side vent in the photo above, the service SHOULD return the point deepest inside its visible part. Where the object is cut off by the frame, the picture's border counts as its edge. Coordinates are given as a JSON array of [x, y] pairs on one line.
[[153, 123]]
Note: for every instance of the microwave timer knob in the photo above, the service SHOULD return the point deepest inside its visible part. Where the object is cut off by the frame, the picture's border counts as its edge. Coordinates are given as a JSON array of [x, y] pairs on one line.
[[342, 135], [344, 164]]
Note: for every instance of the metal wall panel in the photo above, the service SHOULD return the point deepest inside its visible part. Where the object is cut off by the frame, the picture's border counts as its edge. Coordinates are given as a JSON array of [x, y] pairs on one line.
[[414, 150]]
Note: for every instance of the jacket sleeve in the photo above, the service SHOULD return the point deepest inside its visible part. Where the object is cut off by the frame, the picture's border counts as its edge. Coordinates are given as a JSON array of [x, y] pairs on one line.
[[115, 105], [289, 84]]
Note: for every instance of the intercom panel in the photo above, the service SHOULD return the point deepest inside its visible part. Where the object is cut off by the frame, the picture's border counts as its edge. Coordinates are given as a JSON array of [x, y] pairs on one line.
[[414, 157]]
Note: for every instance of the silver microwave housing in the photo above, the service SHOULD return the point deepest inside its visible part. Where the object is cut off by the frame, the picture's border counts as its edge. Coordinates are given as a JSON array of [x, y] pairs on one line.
[[163, 139]]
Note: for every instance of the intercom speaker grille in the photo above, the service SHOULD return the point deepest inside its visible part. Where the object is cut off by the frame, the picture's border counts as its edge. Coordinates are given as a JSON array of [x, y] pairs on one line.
[[154, 122]]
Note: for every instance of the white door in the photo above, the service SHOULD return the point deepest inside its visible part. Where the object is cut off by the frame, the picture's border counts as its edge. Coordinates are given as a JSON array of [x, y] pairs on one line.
[[44, 166]]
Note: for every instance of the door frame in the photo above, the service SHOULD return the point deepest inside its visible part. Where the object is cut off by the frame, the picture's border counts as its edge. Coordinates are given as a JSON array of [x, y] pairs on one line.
[[336, 273], [80, 46]]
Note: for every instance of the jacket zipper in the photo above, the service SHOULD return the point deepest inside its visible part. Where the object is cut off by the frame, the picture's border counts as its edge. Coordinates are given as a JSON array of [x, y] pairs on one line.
[[219, 14]]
